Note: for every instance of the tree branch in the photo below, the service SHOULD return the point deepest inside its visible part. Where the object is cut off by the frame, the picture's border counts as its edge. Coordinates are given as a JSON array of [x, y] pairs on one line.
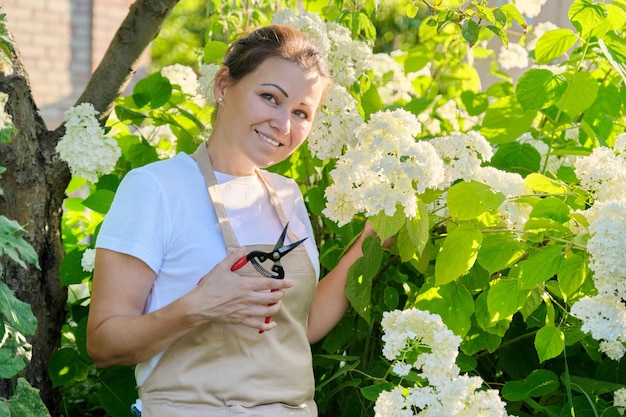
[[142, 24]]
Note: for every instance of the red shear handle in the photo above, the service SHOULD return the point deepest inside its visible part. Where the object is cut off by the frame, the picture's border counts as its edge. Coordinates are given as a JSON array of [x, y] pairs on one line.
[[239, 264], [268, 318]]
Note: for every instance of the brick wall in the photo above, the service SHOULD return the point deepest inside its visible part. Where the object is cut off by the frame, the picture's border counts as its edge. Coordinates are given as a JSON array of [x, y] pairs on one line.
[[61, 42]]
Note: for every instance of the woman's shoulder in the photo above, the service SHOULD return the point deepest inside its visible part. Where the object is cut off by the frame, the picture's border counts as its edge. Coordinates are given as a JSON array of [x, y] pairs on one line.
[[177, 168]]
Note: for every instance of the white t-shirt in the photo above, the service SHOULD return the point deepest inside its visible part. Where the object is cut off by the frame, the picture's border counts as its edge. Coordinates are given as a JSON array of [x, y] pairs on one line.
[[162, 215]]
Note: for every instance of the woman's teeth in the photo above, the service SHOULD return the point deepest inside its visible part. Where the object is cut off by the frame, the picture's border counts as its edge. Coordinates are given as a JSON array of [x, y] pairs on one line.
[[268, 140]]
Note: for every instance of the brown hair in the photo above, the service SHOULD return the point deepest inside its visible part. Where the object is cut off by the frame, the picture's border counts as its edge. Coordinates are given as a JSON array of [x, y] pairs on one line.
[[274, 41]]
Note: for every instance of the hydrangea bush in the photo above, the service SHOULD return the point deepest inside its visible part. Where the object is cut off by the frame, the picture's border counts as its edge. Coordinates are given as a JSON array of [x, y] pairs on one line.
[[503, 291]]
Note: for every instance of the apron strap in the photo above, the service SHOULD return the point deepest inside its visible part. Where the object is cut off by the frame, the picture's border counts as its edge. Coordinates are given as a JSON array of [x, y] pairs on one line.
[[201, 156]]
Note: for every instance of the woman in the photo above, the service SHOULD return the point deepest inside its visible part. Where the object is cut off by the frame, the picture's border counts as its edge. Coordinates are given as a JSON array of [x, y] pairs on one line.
[[164, 296]]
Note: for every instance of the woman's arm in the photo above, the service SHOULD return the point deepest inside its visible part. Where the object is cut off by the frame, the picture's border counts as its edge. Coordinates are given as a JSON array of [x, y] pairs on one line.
[[119, 333], [330, 302]]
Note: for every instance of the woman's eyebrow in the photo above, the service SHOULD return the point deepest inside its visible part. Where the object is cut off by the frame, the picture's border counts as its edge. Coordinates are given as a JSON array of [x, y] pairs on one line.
[[279, 87]]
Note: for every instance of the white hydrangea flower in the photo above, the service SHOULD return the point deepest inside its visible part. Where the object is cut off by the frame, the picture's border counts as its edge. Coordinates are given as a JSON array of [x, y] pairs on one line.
[[394, 84], [386, 168], [88, 260], [619, 400], [620, 143], [391, 404], [607, 231], [513, 56], [311, 24], [600, 171], [85, 149], [401, 368], [613, 349], [511, 185], [447, 393], [348, 58], [206, 80], [529, 8], [603, 316], [405, 328], [334, 126], [463, 154], [182, 76]]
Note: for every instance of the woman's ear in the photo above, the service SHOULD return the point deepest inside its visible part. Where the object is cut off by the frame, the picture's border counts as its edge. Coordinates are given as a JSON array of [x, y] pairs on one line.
[[222, 80]]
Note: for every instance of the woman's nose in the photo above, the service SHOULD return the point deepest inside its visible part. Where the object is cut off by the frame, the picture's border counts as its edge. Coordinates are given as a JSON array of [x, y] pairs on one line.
[[281, 121]]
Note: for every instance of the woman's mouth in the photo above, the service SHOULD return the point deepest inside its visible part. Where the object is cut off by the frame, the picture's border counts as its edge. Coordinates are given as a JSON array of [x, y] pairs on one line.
[[268, 140]]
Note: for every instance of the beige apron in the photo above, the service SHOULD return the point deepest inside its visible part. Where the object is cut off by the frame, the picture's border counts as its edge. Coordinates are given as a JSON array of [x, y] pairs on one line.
[[232, 370]]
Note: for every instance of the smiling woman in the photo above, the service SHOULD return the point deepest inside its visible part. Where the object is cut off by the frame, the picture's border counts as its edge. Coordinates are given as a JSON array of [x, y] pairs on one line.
[[165, 295]]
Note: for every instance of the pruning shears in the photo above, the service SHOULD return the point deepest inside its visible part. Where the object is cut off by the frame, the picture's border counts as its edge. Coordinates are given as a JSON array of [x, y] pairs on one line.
[[257, 257]]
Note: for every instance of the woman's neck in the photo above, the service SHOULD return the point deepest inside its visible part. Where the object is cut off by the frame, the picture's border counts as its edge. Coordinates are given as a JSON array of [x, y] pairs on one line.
[[227, 160]]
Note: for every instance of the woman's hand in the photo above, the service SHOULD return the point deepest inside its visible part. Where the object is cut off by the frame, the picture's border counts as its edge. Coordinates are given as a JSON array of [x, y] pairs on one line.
[[119, 333], [225, 296]]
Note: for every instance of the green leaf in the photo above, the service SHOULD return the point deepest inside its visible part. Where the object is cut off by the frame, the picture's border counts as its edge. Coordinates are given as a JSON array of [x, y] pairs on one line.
[[520, 158], [502, 35], [542, 184], [128, 116], [99, 201], [539, 383], [551, 208], [386, 226], [504, 299], [26, 401], [540, 266], [511, 11], [469, 30], [17, 313], [582, 92], [506, 120], [117, 393], [553, 44], [586, 15], [615, 56], [15, 246], [549, 342], [475, 103], [452, 302], [572, 273], [71, 269], [214, 52], [411, 10], [153, 91], [499, 251], [540, 88], [418, 227], [471, 200], [360, 276], [391, 298], [458, 253], [66, 367], [10, 363], [372, 392]]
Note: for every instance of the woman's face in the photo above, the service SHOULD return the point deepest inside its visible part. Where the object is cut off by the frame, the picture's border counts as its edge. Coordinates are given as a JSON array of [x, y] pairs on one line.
[[265, 116]]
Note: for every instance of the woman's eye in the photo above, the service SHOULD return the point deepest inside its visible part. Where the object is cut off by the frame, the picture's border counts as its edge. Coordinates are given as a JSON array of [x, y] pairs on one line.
[[269, 97], [301, 114]]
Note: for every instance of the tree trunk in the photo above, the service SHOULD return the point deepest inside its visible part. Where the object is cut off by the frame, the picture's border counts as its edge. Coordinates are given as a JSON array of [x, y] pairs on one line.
[[35, 181]]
